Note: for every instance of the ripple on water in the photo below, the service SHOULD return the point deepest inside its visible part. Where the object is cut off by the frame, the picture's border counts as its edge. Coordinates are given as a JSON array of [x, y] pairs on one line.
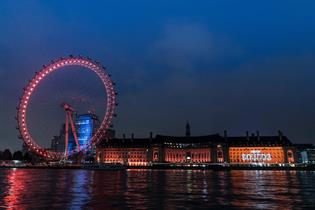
[[147, 189]]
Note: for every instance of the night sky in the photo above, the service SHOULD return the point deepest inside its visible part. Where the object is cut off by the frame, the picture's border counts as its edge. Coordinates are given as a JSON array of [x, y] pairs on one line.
[[234, 65]]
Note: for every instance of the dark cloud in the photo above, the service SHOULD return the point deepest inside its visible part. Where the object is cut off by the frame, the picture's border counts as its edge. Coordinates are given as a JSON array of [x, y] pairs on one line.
[[264, 95]]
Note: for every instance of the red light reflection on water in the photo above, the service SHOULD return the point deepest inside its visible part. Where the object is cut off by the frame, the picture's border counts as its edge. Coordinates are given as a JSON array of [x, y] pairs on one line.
[[155, 189], [16, 189]]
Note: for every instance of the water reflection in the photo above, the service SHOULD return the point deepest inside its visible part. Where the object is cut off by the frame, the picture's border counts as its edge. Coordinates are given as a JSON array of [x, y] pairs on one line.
[[81, 190], [152, 189], [14, 189]]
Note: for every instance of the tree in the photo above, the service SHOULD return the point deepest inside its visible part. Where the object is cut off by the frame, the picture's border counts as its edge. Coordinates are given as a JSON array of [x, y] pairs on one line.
[[27, 157], [18, 155], [7, 155]]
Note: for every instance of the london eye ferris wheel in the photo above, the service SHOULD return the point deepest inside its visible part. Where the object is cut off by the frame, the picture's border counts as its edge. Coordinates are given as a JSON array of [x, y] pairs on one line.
[[58, 65]]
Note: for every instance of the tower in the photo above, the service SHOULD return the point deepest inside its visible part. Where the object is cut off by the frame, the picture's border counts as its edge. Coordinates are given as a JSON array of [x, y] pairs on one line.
[[187, 129]]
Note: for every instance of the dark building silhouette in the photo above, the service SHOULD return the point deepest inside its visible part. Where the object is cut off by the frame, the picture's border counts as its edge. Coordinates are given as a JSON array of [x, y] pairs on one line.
[[305, 153], [58, 142]]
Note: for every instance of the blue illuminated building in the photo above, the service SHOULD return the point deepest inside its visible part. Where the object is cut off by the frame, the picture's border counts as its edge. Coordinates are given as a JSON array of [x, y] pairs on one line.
[[71, 141], [85, 126]]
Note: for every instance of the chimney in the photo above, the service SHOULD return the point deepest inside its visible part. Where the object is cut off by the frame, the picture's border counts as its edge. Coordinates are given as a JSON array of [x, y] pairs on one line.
[[247, 135], [151, 135], [187, 129], [132, 136], [258, 136], [280, 135], [225, 134], [124, 136]]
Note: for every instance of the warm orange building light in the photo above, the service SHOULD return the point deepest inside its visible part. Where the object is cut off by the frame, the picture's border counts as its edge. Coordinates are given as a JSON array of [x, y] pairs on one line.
[[245, 155], [178, 155], [128, 156]]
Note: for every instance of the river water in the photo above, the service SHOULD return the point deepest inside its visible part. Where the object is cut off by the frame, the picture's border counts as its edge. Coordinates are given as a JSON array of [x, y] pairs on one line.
[[156, 189]]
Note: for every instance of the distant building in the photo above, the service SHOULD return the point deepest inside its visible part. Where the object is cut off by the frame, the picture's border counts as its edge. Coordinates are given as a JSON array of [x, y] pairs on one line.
[[305, 153], [86, 126], [58, 142], [254, 149]]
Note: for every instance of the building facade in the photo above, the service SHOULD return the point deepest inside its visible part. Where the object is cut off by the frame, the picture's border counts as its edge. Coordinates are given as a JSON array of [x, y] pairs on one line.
[[209, 149]]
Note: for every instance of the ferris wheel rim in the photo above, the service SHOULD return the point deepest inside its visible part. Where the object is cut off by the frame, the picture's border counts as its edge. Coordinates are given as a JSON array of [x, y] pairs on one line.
[[89, 64]]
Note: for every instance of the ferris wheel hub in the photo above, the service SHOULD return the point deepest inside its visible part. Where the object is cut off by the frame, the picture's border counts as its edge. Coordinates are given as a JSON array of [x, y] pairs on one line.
[[67, 107]]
